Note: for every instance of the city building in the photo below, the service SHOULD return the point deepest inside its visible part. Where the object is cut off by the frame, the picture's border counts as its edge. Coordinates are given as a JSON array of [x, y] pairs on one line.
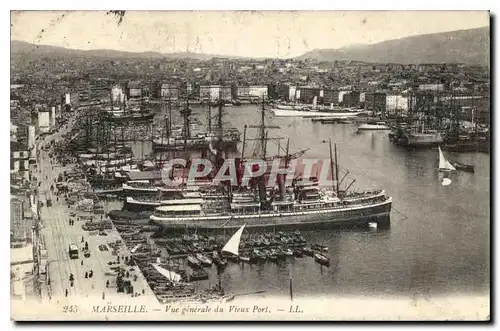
[[169, 91], [351, 99], [134, 90], [330, 97], [396, 104], [117, 94], [250, 92], [279, 91], [43, 121], [431, 87], [307, 94], [213, 92], [376, 101]]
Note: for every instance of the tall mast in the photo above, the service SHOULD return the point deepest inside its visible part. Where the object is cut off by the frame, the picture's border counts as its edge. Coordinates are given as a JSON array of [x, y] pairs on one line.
[[244, 140], [264, 149], [336, 171], [331, 164], [209, 118], [220, 136], [186, 125], [219, 117], [287, 158], [169, 132], [283, 177], [263, 140], [162, 129], [111, 98]]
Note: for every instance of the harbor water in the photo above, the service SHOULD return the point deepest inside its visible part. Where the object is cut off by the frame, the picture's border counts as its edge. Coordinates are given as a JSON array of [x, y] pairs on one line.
[[438, 242]]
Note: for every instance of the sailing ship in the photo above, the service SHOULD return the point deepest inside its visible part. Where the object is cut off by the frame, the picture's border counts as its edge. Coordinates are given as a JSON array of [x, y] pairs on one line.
[[233, 245], [190, 135], [444, 164], [445, 167], [304, 204], [125, 113]]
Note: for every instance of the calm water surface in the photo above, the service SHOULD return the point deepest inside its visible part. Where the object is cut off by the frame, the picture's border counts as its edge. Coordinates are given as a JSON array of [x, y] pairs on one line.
[[438, 241]]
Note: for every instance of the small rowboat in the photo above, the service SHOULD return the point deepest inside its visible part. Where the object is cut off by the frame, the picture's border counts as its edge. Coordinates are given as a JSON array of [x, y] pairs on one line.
[[321, 259]]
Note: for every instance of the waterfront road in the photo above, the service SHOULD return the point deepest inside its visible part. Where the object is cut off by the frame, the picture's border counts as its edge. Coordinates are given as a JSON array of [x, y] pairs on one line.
[[58, 234]]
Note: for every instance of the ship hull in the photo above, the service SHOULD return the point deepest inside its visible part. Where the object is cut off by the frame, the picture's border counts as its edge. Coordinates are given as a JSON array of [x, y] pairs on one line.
[[294, 220], [132, 118], [308, 113], [413, 142], [117, 191], [367, 127], [203, 144], [140, 206]]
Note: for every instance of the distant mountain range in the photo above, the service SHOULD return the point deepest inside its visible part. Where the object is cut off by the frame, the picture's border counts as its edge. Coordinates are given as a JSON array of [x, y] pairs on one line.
[[463, 46], [470, 46], [24, 48]]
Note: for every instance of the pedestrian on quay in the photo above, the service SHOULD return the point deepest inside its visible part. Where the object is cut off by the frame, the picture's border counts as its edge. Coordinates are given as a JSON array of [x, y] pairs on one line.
[[83, 240], [91, 273], [82, 262], [86, 275], [107, 283], [66, 292]]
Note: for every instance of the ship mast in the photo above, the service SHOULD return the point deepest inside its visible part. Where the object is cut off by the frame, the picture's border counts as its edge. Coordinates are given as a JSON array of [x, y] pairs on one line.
[[220, 135], [244, 140], [263, 141], [331, 165], [336, 171], [187, 133], [209, 118]]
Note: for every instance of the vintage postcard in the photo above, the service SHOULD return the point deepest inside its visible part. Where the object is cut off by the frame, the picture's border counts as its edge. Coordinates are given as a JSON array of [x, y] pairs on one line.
[[250, 165]]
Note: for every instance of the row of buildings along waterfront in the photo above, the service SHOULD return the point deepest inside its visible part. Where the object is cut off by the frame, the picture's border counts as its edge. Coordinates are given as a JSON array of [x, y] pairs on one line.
[[396, 98]]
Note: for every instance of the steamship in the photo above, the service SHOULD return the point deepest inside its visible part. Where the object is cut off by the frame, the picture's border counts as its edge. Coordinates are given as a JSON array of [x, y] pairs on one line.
[[260, 204]]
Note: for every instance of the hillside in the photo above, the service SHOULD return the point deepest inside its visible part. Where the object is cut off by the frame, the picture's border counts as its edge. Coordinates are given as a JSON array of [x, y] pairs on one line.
[[463, 46], [27, 49]]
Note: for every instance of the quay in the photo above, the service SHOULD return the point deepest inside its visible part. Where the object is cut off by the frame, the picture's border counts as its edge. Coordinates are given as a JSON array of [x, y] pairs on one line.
[[57, 234]]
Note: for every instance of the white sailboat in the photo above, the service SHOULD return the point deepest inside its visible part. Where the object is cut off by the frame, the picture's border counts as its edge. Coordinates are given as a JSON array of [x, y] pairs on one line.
[[233, 244], [170, 275], [445, 167], [444, 164]]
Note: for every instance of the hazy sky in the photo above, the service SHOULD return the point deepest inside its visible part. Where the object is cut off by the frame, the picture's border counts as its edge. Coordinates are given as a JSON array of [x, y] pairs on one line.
[[242, 33]]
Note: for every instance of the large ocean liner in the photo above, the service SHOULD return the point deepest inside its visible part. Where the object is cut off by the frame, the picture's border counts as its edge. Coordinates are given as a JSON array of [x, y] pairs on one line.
[[263, 205]]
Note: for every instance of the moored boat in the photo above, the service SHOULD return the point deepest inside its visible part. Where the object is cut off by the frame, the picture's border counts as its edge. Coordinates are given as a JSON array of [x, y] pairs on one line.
[[307, 251], [463, 166], [374, 126], [298, 252], [319, 247], [193, 261], [204, 259], [321, 259], [244, 258]]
